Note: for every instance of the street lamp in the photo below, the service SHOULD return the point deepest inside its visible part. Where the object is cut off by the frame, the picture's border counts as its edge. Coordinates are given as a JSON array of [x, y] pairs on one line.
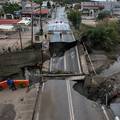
[[40, 3]]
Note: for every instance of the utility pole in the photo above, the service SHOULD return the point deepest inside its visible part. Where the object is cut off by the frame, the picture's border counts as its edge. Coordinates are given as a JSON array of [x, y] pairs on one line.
[[106, 99], [41, 29], [31, 24], [19, 31], [40, 3]]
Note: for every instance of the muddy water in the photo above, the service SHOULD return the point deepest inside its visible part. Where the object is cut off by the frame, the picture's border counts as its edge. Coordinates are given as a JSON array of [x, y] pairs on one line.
[[113, 69]]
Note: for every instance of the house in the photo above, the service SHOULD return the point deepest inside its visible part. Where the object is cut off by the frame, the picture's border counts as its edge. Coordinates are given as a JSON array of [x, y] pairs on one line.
[[33, 8], [3, 2], [10, 25], [91, 8], [12, 1]]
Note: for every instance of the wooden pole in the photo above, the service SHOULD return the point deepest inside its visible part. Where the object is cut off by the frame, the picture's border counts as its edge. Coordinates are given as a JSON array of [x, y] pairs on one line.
[[31, 24], [19, 31]]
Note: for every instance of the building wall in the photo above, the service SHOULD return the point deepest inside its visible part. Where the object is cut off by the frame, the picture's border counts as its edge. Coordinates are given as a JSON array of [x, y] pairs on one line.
[[17, 1], [3, 1], [112, 6]]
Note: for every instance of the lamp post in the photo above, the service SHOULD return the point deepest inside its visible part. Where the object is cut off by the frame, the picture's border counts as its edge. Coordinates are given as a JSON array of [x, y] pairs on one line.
[[41, 29], [40, 3]]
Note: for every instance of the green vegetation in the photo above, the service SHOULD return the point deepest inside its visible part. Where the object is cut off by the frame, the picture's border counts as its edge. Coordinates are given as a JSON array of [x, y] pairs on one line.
[[37, 1], [103, 14], [11, 7], [40, 2], [75, 17], [104, 36]]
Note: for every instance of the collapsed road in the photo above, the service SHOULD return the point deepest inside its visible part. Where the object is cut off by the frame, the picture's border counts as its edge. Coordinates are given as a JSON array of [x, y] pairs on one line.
[[58, 100]]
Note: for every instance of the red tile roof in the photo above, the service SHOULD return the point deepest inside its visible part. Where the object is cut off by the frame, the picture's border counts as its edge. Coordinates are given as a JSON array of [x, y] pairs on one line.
[[9, 21]]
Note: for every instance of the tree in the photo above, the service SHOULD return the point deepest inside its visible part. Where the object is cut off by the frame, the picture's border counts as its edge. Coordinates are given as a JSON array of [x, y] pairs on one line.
[[103, 36], [103, 14], [48, 5], [11, 7], [37, 1], [75, 17]]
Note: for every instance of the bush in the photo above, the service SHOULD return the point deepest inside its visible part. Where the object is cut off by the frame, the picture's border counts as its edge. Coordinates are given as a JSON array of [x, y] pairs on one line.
[[103, 14], [11, 7], [104, 36]]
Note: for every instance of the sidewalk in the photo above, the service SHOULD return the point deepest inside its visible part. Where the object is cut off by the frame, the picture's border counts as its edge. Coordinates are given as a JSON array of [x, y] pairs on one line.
[[17, 105]]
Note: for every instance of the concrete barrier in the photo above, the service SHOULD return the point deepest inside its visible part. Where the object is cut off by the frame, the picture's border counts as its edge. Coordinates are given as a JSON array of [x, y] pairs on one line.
[[18, 83]]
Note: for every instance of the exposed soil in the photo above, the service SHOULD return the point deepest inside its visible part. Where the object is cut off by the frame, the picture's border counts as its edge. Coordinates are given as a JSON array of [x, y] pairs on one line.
[[100, 86], [11, 64]]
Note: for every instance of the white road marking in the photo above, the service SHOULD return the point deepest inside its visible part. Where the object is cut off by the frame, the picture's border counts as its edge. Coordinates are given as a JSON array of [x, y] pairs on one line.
[[72, 117], [77, 55], [105, 113], [65, 65], [43, 86], [51, 64], [78, 60], [39, 103], [37, 116]]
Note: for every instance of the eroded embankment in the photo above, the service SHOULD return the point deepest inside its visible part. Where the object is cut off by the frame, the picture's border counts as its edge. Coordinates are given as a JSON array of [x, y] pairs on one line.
[[59, 48], [12, 64], [105, 83]]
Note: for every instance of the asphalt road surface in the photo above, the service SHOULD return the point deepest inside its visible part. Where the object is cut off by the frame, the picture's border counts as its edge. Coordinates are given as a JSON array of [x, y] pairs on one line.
[[58, 100]]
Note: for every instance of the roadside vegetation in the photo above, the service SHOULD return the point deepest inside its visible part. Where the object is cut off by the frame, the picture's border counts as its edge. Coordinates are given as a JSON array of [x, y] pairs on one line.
[[103, 15], [75, 17], [104, 36], [11, 7]]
